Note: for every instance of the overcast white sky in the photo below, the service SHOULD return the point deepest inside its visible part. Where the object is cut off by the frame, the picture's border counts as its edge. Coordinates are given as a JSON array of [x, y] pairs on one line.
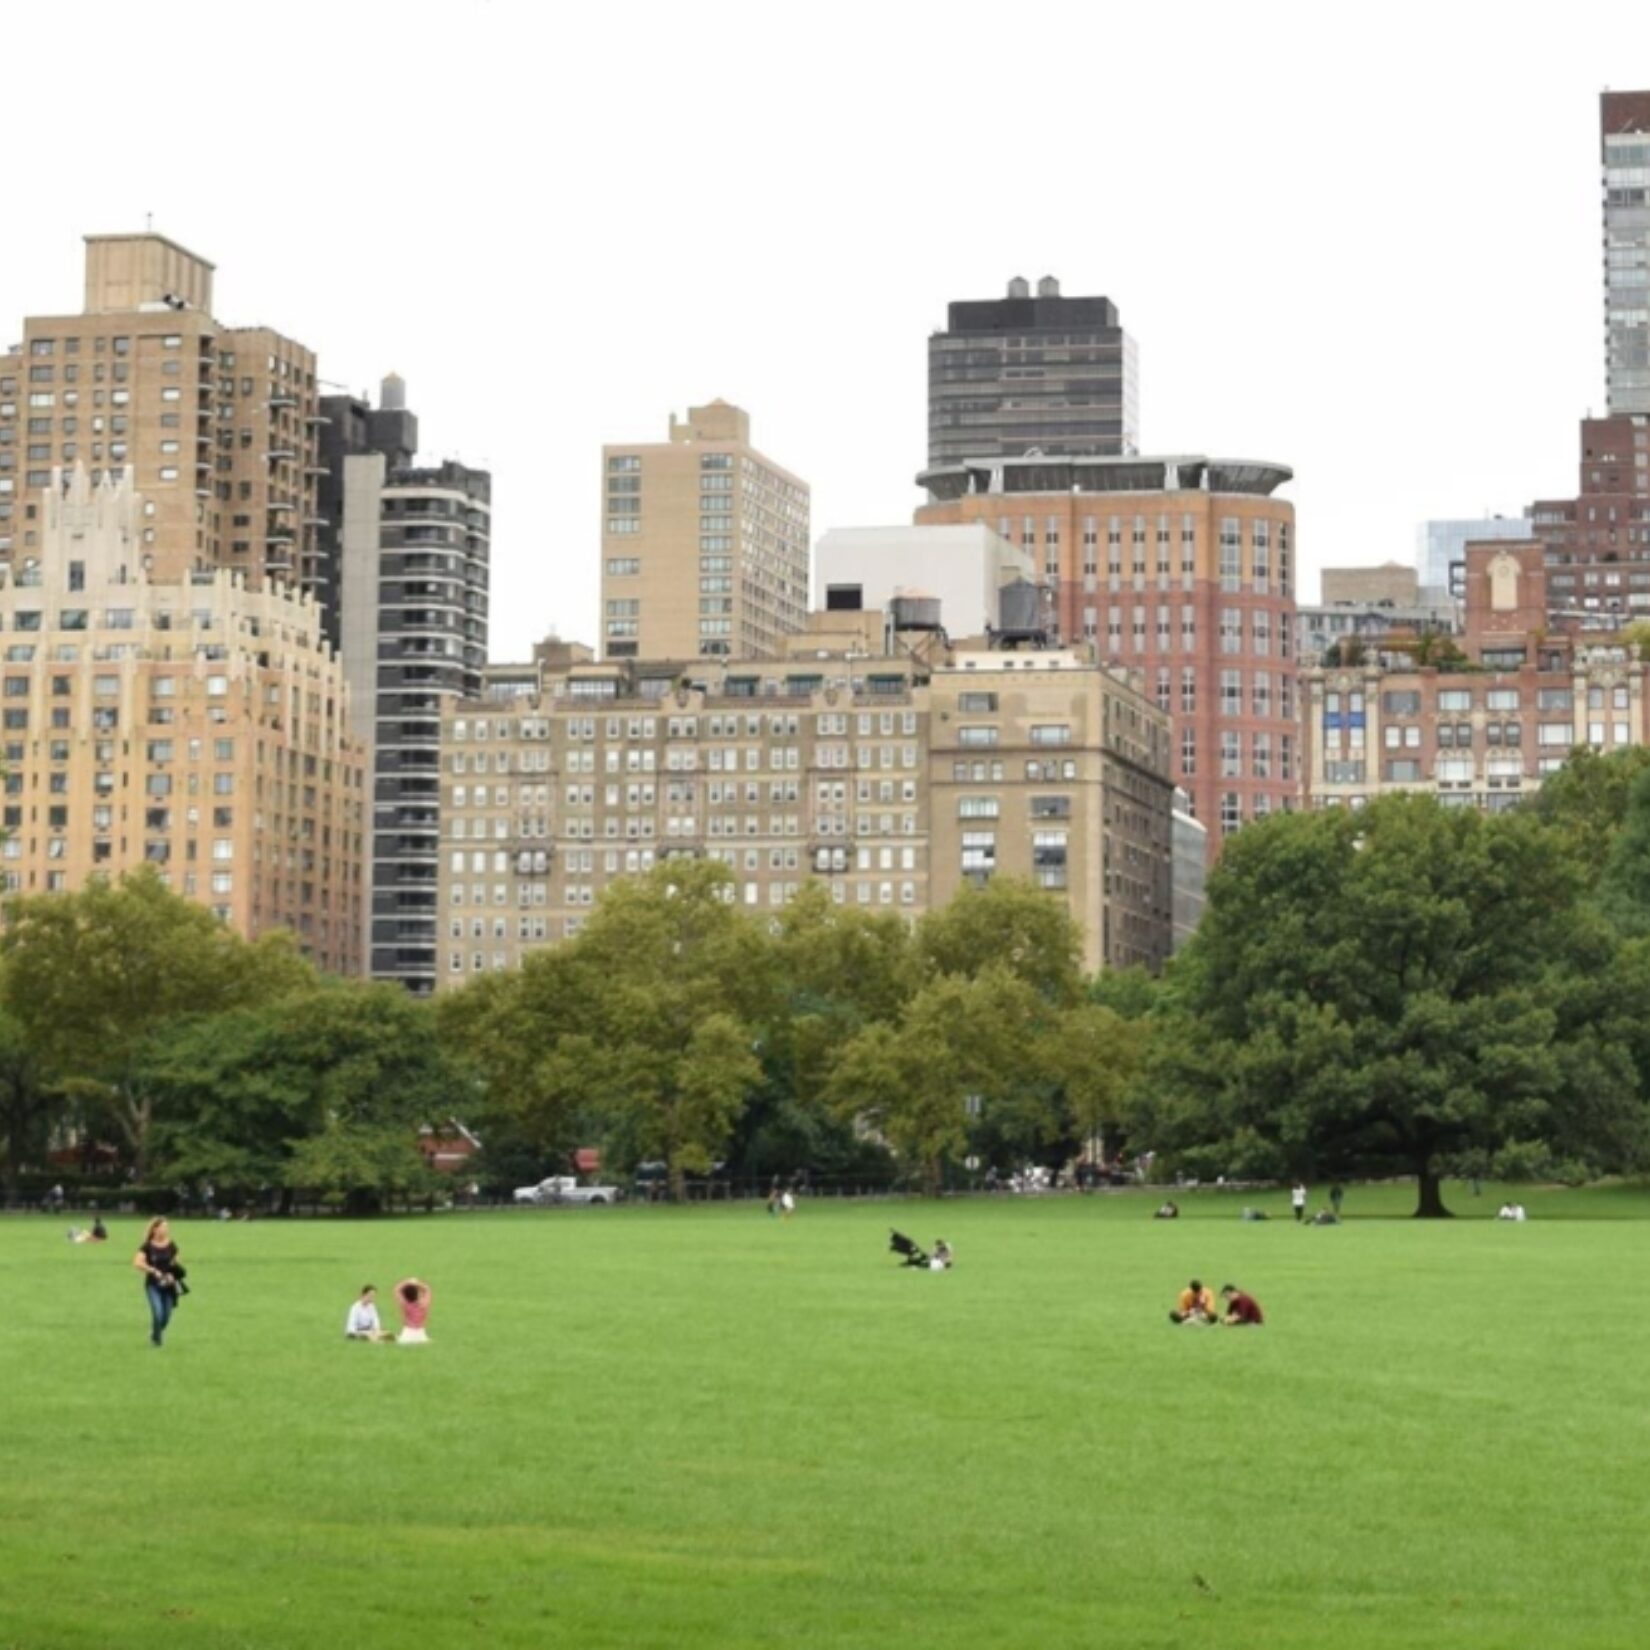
[[1362, 243]]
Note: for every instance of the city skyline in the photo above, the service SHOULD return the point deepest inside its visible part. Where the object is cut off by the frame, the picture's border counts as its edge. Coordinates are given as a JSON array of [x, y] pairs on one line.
[[1336, 304]]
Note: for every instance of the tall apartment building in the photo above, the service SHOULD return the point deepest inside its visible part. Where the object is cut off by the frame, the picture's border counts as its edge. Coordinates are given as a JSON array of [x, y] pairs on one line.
[[179, 720], [1043, 765], [351, 426], [1478, 738], [833, 764], [414, 570], [1020, 374], [217, 423], [1181, 568], [1596, 546], [704, 544], [1624, 154]]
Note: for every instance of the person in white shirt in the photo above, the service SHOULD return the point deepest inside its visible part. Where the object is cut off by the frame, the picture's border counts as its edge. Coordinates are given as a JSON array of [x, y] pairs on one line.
[[1297, 1200], [362, 1323]]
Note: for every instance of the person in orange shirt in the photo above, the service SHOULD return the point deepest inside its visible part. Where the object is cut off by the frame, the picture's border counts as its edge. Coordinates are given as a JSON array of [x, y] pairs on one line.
[[1195, 1305]]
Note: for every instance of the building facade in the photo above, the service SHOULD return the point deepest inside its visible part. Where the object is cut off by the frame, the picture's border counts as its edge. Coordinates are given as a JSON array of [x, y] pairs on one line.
[[350, 428], [963, 568], [1441, 546], [219, 425], [1182, 569], [1023, 373], [823, 766], [183, 722], [704, 544], [415, 554], [1480, 738], [1044, 765], [1624, 155]]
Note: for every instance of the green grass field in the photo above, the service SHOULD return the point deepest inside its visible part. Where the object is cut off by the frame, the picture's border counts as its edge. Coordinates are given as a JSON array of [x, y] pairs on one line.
[[652, 1427]]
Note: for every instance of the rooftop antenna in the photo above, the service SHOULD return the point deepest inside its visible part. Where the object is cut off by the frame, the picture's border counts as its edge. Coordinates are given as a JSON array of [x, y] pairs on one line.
[[148, 222]]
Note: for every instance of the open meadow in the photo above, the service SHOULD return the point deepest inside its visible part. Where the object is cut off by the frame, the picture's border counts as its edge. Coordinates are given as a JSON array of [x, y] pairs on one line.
[[656, 1427]]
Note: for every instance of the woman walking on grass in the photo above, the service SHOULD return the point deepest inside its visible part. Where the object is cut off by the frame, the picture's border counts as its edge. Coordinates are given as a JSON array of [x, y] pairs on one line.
[[157, 1259]]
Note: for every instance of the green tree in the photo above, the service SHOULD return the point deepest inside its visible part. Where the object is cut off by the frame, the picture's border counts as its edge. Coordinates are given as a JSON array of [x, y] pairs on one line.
[[677, 983], [1624, 884], [1009, 923], [307, 1091], [1585, 803], [30, 1104], [1097, 1056], [967, 1061], [1390, 988], [92, 975]]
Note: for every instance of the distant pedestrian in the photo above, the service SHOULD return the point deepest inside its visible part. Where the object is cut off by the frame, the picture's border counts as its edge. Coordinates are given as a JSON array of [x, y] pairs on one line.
[[1297, 1199], [157, 1259], [413, 1297], [787, 1205], [773, 1198], [1336, 1193]]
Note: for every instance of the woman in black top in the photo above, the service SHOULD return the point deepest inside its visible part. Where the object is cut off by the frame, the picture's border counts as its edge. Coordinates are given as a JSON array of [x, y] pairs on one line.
[[157, 1259]]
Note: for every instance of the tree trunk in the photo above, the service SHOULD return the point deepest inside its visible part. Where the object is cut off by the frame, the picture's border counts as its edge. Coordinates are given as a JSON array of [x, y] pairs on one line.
[[1431, 1186]]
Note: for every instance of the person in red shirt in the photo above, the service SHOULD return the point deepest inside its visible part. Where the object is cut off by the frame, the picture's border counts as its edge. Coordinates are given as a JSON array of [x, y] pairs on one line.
[[1240, 1308]]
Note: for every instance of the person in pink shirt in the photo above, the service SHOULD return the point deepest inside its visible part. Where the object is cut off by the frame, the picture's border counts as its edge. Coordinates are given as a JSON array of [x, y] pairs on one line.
[[413, 1296]]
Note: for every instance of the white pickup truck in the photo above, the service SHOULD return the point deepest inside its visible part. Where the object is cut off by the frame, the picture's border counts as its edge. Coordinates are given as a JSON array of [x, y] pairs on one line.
[[563, 1188]]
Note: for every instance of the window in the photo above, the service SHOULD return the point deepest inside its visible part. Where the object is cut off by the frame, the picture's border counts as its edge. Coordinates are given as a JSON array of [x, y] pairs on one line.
[[977, 704], [977, 807], [1051, 733], [976, 736], [623, 567], [1454, 699]]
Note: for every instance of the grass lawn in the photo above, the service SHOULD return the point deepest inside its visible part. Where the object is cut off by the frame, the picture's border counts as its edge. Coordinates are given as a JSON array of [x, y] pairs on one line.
[[651, 1427]]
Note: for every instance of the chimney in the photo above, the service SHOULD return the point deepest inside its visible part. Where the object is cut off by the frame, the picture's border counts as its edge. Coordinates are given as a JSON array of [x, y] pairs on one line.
[[392, 393], [1019, 287]]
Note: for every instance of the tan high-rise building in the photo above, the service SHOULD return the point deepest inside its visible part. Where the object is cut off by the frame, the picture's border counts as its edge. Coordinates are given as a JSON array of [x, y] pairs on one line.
[[894, 780], [704, 544], [1044, 765], [185, 722], [219, 424]]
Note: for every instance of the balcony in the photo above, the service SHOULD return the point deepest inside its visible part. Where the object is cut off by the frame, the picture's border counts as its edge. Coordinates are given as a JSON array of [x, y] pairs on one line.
[[281, 455], [283, 400]]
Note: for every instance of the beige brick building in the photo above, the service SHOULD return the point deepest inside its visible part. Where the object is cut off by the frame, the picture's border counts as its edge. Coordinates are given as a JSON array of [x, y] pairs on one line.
[[1044, 765], [704, 544], [218, 424], [829, 764], [182, 721]]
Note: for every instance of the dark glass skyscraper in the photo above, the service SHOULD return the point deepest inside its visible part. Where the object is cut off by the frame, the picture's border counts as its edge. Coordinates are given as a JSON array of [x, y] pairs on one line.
[[1018, 374]]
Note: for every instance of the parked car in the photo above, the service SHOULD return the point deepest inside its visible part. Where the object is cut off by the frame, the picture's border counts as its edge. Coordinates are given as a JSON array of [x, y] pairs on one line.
[[563, 1188]]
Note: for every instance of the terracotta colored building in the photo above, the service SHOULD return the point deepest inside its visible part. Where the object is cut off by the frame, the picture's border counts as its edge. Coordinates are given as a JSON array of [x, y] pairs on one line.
[[1182, 569]]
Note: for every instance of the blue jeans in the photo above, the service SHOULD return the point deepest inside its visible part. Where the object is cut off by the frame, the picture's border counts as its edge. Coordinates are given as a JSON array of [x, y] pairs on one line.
[[160, 1309]]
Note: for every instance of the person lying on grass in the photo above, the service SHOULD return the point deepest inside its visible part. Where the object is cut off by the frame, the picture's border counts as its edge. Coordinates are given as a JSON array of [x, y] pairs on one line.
[[1241, 1309], [1196, 1304], [900, 1244]]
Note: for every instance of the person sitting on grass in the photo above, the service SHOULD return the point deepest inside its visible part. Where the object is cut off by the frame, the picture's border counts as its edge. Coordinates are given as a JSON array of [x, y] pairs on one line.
[[1511, 1211], [943, 1258], [413, 1297], [1170, 1210], [362, 1323], [1241, 1309], [1196, 1304]]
